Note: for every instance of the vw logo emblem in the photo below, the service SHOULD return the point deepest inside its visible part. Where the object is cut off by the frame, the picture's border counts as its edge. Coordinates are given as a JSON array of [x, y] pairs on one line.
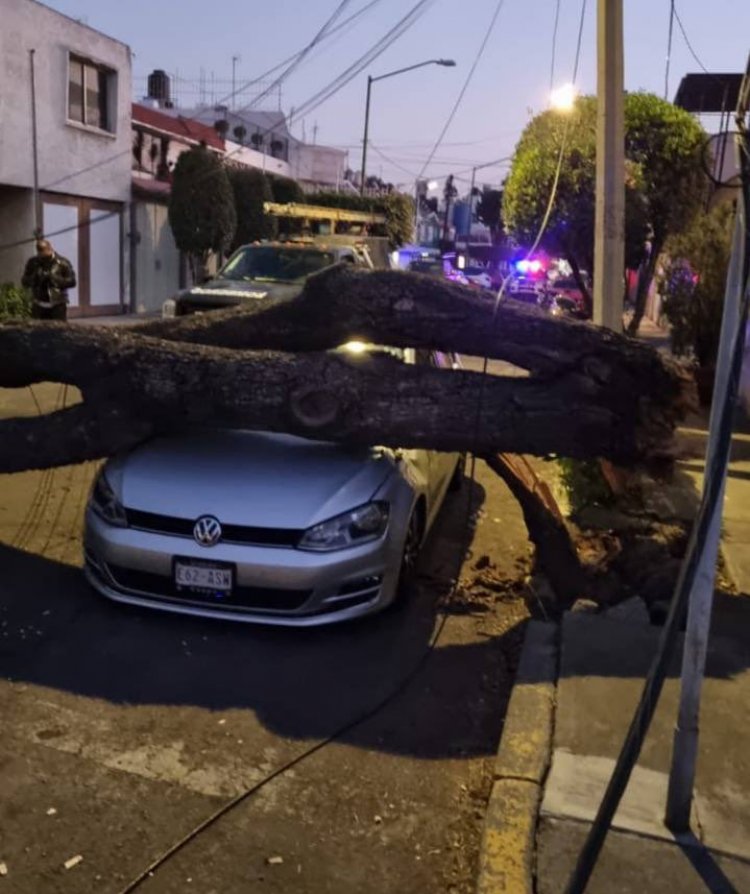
[[207, 530]]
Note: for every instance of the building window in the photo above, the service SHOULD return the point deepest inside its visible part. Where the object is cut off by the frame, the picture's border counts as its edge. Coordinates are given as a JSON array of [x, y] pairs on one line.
[[91, 94]]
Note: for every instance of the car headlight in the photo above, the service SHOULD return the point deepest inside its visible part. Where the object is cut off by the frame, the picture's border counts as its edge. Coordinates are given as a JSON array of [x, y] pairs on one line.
[[361, 525], [169, 308], [105, 504]]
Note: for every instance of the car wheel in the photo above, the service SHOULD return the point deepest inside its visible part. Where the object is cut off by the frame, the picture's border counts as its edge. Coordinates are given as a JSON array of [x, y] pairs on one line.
[[409, 557], [457, 479]]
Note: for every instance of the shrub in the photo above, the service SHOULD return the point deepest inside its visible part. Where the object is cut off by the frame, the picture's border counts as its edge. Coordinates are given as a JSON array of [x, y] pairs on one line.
[[584, 483], [251, 188], [15, 302]]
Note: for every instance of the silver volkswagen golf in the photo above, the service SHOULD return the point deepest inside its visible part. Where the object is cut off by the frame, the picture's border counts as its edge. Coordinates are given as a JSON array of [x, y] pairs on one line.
[[264, 527]]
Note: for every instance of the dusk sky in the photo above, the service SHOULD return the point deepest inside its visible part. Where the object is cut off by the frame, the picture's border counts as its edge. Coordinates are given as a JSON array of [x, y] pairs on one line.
[[510, 83]]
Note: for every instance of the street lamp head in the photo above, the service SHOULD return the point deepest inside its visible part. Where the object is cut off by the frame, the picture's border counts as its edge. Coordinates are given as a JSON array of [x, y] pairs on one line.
[[447, 62], [563, 98]]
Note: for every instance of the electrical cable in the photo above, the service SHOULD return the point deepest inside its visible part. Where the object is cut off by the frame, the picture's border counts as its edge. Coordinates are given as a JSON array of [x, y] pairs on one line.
[[712, 492], [669, 48], [687, 41], [464, 88], [554, 47], [346, 727], [338, 83], [333, 31], [300, 58]]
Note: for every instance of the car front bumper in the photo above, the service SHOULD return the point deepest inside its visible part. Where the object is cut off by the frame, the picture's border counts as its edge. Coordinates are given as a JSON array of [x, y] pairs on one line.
[[273, 585]]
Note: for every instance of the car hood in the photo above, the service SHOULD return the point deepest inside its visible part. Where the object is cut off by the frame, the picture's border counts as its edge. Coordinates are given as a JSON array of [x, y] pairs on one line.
[[233, 290], [256, 479]]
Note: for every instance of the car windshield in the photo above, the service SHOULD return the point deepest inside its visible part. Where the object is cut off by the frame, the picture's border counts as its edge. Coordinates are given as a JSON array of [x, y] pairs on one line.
[[431, 268], [272, 263]]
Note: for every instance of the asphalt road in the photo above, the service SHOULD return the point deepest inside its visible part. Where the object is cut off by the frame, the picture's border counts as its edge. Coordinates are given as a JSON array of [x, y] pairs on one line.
[[125, 729]]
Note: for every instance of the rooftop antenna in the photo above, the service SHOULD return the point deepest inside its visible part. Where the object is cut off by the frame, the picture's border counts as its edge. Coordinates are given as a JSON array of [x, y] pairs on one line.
[[235, 60]]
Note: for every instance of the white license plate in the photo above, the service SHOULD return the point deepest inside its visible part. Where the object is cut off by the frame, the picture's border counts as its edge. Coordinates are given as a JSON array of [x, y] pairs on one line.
[[202, 577]]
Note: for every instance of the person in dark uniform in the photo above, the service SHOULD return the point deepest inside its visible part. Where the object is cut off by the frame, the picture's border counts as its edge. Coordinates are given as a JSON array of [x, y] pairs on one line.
[[49, 276]]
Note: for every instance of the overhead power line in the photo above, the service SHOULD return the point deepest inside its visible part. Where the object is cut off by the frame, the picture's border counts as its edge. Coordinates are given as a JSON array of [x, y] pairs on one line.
[[464, 88], [329, 34], [300, 58], [554, 47], [687, 41]]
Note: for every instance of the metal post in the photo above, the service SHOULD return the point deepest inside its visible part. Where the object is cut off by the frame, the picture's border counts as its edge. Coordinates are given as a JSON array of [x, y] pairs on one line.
[[685, 741], [364, 138], [471, 206], [35, 153], [234, 68], [609, 232]]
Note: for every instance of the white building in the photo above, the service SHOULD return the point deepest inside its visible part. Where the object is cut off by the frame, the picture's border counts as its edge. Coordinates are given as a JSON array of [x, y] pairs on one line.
[[274, 148], [83, 86]]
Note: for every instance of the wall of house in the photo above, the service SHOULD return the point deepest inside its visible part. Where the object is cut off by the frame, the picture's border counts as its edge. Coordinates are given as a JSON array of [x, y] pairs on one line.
[[321, 165], [73, 158], [16, 223], [243, 155], [157, 260]]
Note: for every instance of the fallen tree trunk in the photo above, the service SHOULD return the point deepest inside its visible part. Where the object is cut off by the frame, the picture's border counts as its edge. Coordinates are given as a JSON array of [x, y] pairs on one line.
[[591, 392]]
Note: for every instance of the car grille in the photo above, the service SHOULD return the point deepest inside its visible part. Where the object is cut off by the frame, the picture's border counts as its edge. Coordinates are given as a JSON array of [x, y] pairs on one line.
[[183, 527], [145, 583]]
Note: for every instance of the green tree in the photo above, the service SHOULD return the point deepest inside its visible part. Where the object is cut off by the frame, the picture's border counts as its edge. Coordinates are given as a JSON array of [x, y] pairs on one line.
[[569, 232], [286, 190], [490, 211], [665, 143], [251, 189], [201, 207], [692, 284], [662, 191]]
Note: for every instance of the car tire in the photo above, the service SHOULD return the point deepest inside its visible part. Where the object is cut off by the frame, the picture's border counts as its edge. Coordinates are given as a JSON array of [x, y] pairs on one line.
[[409, 557], [457, 479]]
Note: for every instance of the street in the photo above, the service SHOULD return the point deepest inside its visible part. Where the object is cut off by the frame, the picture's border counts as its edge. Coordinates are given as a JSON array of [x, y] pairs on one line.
[[126, 729]]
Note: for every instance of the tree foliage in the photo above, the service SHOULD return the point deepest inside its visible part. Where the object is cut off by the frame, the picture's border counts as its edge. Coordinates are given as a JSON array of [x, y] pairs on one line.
[[251, 188], [662, 190], [692, 284], [285, 190], [201, 206], [490, 210]]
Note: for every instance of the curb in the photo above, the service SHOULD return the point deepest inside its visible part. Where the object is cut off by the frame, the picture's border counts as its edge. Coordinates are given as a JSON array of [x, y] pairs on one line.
[[506, 858]]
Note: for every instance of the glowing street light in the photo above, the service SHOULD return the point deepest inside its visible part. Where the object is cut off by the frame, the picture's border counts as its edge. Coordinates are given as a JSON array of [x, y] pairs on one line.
[[563, 98]]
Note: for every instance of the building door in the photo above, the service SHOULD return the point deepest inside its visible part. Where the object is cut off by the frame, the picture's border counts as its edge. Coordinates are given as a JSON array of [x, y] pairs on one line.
[[89, 233]]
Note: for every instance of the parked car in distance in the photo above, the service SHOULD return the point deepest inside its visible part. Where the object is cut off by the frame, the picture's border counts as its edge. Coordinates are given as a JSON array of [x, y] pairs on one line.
[[264, 527], [264, 269], [562, 306], [568, 287], [478, 276]]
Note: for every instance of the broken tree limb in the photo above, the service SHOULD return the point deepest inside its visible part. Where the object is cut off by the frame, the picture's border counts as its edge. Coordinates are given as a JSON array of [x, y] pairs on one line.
[[555, 550], [591, 392]]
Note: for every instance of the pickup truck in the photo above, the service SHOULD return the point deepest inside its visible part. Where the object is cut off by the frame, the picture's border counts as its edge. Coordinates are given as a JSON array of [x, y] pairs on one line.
[[271, 269]]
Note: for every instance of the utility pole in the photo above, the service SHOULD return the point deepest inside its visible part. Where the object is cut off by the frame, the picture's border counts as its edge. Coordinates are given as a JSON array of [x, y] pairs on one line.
[[35, 152], [609, 224], [364, 139]]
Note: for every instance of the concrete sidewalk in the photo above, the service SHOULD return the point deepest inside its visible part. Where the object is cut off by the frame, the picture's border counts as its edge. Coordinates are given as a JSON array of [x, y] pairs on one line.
[[569, 714], [602, 666]]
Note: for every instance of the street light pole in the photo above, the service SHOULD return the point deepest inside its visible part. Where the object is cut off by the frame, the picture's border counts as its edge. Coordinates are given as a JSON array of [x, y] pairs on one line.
[[370, 81], [609, 223], [364, 138]]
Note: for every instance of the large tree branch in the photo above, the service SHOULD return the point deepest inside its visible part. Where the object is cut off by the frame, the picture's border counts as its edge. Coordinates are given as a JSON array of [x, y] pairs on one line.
[[593, 393]]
